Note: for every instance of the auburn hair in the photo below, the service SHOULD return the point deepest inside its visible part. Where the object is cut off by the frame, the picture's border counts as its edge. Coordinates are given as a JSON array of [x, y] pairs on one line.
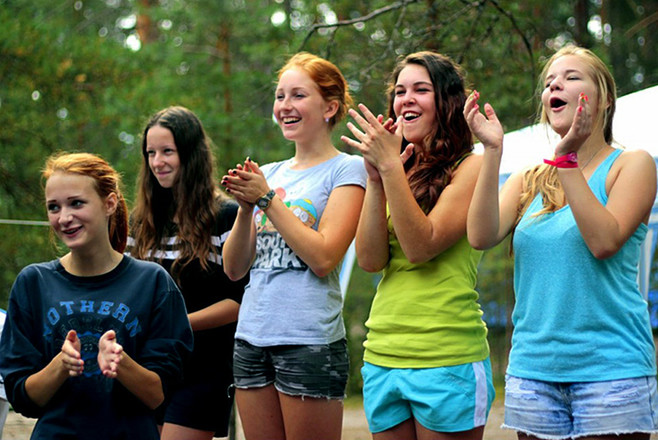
[[106, 181], [329, 79]]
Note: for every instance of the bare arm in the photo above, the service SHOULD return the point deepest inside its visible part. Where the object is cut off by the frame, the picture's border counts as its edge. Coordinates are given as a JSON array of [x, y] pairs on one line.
[[421, 236], [215, 315], [320, 249], [239, 250], [372, 232], [631, 189], [491, 216]]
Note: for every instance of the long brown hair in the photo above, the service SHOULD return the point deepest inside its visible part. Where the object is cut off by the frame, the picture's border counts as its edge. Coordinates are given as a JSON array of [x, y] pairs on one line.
[[543, 178], [192, 201], [106, 181], [432, 164]]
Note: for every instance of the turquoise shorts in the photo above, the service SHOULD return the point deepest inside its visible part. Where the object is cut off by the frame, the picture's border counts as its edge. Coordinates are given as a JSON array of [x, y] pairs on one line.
[[445, 399]]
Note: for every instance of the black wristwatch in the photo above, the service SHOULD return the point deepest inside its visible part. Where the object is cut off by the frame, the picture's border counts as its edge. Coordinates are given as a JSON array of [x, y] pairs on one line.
[[265, 201]]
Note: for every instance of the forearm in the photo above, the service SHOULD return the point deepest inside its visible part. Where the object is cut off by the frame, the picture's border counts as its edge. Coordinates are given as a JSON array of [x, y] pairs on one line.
[[321, 247], [598, 227], [216, 315], [145, 384], [372, 232], [43, 385], [483, 220], [419, 238], [239, 249]]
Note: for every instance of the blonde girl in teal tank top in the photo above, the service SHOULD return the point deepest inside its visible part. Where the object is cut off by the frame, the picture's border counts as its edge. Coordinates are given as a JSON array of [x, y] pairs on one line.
[[583, 360], [425, 326]]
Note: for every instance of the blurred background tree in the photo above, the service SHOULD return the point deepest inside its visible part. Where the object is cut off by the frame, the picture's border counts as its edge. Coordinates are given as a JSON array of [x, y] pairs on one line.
[[85, 75]]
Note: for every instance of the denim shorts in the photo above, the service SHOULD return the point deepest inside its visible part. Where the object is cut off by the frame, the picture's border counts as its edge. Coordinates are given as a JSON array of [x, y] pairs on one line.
[[443, 399], [550, 410], [296, 370]]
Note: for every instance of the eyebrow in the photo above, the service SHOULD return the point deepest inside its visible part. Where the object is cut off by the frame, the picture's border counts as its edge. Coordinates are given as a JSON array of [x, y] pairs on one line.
[[415, 84]]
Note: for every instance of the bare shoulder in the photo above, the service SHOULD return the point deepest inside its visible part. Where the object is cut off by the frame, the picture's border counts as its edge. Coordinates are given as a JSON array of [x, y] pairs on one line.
[[469, 166]]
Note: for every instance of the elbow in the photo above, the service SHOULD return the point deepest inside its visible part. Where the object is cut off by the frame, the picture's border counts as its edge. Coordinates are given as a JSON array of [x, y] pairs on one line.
[[603, 253], [370, 266], [479, 244], [233, 273], [322, 270], [155, 401]]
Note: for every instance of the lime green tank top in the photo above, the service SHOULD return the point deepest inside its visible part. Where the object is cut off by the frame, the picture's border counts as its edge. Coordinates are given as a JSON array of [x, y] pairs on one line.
[[427, 315]]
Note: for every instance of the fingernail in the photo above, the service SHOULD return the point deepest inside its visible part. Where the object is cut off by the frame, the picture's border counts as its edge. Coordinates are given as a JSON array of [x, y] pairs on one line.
[[580, 109], [234, 172], [248, 159]]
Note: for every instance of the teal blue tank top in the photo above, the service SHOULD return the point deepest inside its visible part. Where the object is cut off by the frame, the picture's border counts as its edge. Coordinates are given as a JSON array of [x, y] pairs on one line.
[[577, 318]]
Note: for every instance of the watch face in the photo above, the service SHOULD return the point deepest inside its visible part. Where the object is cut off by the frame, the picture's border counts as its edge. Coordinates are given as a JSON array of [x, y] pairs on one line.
[[262, 203]]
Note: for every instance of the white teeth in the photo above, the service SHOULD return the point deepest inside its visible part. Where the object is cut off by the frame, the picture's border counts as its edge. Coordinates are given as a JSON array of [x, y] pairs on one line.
[[290, 119], [410, 115]]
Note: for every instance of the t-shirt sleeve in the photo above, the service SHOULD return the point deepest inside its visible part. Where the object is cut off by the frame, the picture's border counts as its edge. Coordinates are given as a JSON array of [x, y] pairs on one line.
[[351, 171]]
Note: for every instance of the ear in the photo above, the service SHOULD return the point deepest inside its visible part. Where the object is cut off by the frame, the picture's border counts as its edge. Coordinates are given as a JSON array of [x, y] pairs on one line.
[[111, 203], [331, 109]]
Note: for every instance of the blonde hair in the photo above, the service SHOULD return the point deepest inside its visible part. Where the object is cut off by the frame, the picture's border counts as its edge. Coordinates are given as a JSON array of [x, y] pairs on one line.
[[543, 178]]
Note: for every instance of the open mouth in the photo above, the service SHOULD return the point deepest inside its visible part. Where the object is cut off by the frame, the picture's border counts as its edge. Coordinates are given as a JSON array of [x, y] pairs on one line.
[[291, 120], [71, 231], [557, 103], [410, 116]]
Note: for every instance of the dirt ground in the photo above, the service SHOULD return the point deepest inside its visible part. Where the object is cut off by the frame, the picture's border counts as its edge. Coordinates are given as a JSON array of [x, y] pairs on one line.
[[354, 425]]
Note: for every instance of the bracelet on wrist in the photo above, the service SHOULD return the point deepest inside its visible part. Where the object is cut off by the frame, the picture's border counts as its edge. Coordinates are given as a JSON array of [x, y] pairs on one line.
[[569, 160]]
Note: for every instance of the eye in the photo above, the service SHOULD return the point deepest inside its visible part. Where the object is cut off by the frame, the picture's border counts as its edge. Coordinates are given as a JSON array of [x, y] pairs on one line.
[[279, 97], [399, 92], [300, 95], [77, 203], [423, 90], [150, 153], [169, 151], [52, 207]]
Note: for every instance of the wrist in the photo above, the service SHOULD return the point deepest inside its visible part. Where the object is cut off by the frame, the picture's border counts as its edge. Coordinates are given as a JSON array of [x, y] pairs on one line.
[[568, 160]]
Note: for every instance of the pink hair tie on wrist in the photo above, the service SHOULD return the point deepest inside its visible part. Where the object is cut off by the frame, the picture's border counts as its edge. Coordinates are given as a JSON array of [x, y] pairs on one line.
[[569, 160]]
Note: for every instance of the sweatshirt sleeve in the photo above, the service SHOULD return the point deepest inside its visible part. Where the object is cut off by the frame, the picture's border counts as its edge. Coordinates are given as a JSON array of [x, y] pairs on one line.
[[21, 347], [170, 338]]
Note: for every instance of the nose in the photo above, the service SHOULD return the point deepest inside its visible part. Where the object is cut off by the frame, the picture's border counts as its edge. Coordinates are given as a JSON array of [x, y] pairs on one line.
[[65, 216], [156, 160], [407, 98], [555, 84]]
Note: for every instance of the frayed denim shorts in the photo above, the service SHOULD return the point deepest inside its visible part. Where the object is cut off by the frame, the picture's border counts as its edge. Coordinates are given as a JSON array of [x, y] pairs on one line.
[[551, 410], [297, 370], [443, 399]]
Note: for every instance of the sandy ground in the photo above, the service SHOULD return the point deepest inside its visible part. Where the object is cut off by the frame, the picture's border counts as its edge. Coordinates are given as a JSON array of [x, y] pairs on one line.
[[355, 427]]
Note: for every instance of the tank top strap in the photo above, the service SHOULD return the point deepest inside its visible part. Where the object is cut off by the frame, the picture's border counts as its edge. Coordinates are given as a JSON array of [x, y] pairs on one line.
[[597, 180]]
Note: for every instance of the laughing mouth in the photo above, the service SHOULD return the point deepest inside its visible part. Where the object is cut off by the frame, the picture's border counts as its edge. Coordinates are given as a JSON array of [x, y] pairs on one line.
[[410, 116], [71, 231], [290, 120]]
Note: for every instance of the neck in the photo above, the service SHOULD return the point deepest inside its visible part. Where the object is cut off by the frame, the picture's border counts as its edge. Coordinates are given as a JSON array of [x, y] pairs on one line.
[[96, 262], [313, 152]]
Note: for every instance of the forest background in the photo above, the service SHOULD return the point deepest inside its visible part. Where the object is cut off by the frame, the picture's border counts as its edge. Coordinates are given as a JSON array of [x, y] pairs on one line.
[[86, 75]]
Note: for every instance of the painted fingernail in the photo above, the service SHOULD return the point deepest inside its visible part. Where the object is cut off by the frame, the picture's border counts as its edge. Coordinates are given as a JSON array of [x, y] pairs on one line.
[[580, 109]]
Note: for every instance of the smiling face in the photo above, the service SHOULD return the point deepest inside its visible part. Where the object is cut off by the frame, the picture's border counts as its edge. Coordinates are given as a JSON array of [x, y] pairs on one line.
[[299, 108], [414, 101], [566, 78], [77, 214], [162, 153]]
